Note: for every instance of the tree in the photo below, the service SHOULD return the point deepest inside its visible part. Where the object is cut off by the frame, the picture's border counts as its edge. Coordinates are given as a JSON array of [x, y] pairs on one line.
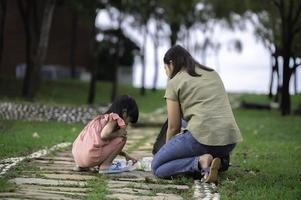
[[106, 52], [177, 13], [37, 35], [87, 9], [142, 11], [93, 62], [288, 12], [296, 60], [3, 4], [122, 7], [73, 44], [157, 36], [268, 31], [290, 20]]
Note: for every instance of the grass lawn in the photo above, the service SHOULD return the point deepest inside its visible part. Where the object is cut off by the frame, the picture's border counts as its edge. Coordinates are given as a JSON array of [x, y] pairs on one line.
[[62, 92], [266, 165], [16, 137]]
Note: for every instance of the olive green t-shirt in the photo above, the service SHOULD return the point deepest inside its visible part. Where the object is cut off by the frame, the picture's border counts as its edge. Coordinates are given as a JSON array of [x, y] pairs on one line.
[[205, 106]]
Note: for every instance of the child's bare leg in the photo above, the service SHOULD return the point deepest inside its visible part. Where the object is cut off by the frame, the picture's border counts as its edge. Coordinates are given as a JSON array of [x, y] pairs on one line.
[[108, 161], [204, 162]]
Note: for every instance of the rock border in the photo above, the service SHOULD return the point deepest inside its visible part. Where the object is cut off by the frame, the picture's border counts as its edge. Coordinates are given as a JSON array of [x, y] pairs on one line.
[[8, 163]]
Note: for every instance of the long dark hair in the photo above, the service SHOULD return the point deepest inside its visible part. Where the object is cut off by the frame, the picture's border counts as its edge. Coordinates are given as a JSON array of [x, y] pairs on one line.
[[181, 59], [125, 102]]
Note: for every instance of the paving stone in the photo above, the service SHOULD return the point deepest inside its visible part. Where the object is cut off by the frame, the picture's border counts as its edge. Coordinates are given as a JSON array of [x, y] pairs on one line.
[[136, 137], [132, 174], [50, 192], [69, 176], [168, 196], [147, 149], [130, 179], [55, 167], [56, 158], [147, 144], [66, 163], [69, 171], [142, 197], [34, 195], [53, 188], [128, 196], [144, 192], [141, 153], [67, 154], [50, 182], [130, 142], [121, 184], [127, 190]]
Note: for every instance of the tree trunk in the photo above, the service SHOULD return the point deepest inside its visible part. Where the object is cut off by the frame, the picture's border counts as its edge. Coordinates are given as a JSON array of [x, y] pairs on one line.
[[116, 61], [294, 73], [287, 38], [93, 80], [115, 79], [285, 95], [36, 42], [274, 69], [73, 44], [143, 61], [285, 104], [188, 39], [278, 89], [92, 84], [174, 33], [156, 45], [295, 82], [3, 4], [115, 70], [43, 43], [26, 12]]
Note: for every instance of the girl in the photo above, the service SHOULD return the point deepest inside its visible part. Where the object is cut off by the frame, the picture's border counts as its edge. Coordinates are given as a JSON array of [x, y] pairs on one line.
[[196, 94], [104, 137]]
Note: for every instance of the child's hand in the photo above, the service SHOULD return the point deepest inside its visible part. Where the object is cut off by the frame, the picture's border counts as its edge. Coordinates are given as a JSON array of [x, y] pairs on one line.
[[123, 133], [128, 158]]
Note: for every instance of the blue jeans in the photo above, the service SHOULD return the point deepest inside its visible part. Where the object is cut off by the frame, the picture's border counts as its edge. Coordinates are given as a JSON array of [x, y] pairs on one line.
[[181, 153]]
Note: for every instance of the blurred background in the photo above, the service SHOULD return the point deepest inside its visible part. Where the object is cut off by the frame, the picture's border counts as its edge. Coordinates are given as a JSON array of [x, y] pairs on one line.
[[50, 47]]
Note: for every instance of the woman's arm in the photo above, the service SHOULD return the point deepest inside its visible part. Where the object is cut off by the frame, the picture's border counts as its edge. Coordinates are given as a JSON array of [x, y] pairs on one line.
[[174, 118], [111, 131]]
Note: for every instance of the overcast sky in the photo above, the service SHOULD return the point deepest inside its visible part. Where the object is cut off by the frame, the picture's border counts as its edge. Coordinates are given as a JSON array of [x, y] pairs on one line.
[[247, 71]]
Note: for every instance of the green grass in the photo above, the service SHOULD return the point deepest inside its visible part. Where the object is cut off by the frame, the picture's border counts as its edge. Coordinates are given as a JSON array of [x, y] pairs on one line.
[[16, 137], [62, 92], [6, 186], [267, 163], [260, 98], [99, 187]]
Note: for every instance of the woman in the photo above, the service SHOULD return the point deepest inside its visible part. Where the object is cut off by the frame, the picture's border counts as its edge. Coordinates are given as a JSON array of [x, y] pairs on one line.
[[196, 94]]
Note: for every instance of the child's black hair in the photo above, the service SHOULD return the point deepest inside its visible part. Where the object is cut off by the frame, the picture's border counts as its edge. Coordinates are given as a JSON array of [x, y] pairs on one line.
[[181, 59], [125, 102]]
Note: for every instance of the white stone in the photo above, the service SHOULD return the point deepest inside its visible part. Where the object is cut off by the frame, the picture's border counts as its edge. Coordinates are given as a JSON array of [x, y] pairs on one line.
[[48, 182]]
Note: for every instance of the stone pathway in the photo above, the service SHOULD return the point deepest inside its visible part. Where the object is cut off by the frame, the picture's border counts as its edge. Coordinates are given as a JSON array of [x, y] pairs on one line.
[[8, 163], [52, 178]]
